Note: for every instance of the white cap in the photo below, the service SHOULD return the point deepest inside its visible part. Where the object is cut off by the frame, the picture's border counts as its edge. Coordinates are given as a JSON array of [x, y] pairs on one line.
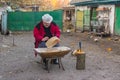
[[47, 18]]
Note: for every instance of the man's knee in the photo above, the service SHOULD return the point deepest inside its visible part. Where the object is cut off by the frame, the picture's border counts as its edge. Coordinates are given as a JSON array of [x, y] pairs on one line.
[[42, 45], [57, 45]]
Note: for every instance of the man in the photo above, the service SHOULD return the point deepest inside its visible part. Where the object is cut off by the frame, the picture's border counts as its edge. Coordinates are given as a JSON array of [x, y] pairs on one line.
[[44, 30]]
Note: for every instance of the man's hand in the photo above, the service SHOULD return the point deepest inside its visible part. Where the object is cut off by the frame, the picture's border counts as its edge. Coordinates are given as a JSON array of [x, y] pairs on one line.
[[45, 38]]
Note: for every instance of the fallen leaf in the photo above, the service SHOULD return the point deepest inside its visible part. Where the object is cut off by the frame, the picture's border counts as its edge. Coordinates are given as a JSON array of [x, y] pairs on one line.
[[72, 44], [109, 49], [109, 39]]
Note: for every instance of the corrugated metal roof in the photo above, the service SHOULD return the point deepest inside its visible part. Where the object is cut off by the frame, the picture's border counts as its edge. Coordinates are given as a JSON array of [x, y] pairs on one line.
[[76, 1], [97, 2]]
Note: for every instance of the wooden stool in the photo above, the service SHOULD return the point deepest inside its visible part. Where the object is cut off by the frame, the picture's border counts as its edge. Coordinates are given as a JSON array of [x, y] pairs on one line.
[[48, 63]]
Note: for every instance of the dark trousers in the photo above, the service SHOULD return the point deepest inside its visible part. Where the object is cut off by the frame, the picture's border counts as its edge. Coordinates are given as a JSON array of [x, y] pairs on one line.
[[43, 45]]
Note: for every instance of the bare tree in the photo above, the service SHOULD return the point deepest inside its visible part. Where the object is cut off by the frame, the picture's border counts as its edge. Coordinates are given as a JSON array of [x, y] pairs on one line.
[[43, 4]]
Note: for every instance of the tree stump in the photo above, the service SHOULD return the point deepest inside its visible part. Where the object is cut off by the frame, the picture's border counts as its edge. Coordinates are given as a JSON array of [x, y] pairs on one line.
[[80, 63]]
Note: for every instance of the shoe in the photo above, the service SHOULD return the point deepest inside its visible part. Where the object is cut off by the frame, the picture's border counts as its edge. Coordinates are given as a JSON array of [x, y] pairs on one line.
[[55, 61]]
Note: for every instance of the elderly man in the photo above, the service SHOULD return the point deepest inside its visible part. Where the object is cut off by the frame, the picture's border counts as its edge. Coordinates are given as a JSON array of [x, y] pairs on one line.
[[44, 30]]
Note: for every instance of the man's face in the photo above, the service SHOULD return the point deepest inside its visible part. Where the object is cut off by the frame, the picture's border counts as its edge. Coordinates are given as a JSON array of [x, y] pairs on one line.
[[46, 24]]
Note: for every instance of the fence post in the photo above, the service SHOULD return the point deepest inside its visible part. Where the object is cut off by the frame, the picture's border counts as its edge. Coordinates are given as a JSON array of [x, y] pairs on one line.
[[4, 23]]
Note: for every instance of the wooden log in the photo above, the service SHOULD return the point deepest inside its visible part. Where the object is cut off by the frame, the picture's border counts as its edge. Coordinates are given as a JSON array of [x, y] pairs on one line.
[[80, 63]]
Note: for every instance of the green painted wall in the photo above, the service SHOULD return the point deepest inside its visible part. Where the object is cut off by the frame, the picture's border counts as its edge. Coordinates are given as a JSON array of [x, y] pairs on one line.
[[94, 14], [86, 21], [25, 21], [117, 21]]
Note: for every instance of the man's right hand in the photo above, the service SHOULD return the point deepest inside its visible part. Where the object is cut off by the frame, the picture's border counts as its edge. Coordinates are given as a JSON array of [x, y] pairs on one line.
[[45, 38]]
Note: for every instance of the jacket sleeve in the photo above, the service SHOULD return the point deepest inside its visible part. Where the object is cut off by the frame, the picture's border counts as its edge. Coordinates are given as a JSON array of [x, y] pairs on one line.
[[57, 31], [37, 35]]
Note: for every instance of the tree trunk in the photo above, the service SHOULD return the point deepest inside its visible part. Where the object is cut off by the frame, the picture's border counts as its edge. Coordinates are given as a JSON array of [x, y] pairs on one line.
[[80, 64]]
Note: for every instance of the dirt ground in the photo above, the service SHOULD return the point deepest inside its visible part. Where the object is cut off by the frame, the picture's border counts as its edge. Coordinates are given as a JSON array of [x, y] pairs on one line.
[[17, 61]]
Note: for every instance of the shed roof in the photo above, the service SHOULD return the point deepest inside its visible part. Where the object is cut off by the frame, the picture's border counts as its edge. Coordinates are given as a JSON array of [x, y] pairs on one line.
[[76, 1], [96, 2]]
